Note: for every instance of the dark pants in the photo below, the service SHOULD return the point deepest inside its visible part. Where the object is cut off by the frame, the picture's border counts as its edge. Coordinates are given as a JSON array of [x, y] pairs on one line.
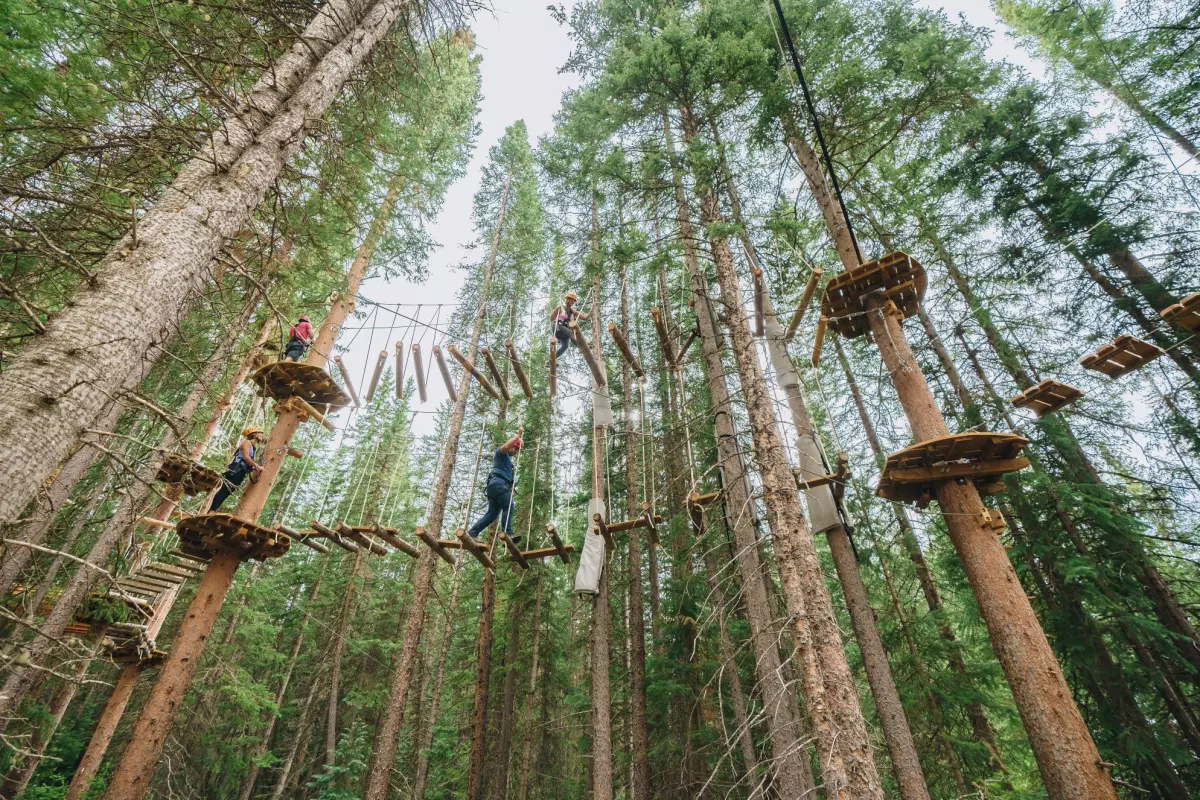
[[499, 497], [230, 481], [295, 350], [563, 334]]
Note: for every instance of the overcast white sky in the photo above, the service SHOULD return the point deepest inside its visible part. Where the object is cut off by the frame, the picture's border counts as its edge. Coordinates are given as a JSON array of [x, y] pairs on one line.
[[522, 49]]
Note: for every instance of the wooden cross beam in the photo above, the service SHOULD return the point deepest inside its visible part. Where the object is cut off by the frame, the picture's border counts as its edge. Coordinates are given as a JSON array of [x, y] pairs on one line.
[[513, 359], [420, 368], [549, 552], [626, 352], [445, 370], [496, 374], [471, 368]]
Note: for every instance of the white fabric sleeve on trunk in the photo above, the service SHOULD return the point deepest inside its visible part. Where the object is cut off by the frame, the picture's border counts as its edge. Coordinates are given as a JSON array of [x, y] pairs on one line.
[[591, 560]]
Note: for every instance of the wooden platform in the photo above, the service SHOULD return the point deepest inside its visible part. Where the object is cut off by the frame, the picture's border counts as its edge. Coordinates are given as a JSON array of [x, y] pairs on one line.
[[912, 474], [205, 535], [1047, 397], [1185, 313], [1124, 355], [192, 476], [284, 379], [897, 277]]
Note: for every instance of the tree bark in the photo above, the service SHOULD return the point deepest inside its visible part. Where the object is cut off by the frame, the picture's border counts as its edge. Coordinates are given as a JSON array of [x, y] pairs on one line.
[[389, 730], [57, 385], [335, 675], [527, 747], [303, 731], [508, 704], [790, 763], [483, 677], [422, 771]]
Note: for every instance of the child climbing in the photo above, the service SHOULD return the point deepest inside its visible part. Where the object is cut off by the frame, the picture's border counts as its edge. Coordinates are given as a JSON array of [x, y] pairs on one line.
[[300, 338], [499, 489], [563, 316], [243, 464]]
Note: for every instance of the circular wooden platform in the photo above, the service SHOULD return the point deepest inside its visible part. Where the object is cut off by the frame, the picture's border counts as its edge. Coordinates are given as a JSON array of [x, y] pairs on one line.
[[897, 277], [911, 475], [205, 535], [284, 379], [192, 476]]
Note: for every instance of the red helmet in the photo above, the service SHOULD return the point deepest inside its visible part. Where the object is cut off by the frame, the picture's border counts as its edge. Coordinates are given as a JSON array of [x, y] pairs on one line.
[[303, 318]]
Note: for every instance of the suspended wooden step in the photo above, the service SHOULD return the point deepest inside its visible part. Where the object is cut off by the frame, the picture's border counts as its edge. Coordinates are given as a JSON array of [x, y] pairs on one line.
[[162, 568], [283, 379], [1185, 313], [912, 474], [444, 368], [1124, 355], [683, 348], [563, 551], [664, 338], [514, 552], [651, 521], [419, 367], [608, 529], [346, 379], [376, 375], [494, 371], [191, 476], [332, 535], [390, 536], [1047, 397], [626, 351], [897, 277], [837, 478], [810, 289], [515, 360], [305, 538], [360, 538], [470, 368], [588, 356], [205, 535], [476, 549], [439, 546], [697, 499]]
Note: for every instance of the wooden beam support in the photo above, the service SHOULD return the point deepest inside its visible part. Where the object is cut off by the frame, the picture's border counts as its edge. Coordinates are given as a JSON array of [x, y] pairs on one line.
[[651, 523], [664, 340], [473, 547], [603, 530], [434, 545], [810, 289], [947, 472], [303, 539], [697, 499], [312, 413], [588, 355], [420, 372], [444, 368], [515, 360], [496, 374], [333, 536], [201, 563], [156, 523], [471, 368], [376, 375], [399, 369], [341, 365], [633, 524], [361, 540], [392, 537], [688, 343], [548, 552], [626, 352], [553, 366], [819, 340], [563, 551], [514, 552], [760, 321]]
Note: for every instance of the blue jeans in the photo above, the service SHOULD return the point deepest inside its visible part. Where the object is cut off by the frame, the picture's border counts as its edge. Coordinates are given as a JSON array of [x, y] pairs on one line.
[[295, 350], [563, 334], [499, 497]]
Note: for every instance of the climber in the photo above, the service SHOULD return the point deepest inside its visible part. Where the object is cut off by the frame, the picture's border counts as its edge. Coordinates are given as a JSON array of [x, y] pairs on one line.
[[562, 317], [300, 338], [499, 489], [243, 464]]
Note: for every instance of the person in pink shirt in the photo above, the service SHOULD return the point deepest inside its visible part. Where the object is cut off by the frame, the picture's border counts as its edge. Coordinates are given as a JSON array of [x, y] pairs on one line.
[[562, 317], [300, 338]]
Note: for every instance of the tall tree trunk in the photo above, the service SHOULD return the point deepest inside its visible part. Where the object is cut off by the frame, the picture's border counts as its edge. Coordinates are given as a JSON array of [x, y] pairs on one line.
[[335, 675], [508, 704], [527, 747], [847, 765], [144, 286], [483, 677], [426, 742], [790, 763], [389, 730], [302, 733]]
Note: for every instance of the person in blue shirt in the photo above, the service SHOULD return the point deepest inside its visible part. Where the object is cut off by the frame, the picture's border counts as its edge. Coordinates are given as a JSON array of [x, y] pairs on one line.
[[499, 490]]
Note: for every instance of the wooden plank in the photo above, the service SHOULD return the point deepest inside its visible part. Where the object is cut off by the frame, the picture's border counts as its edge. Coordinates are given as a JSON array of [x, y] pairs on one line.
[[202, 563], [515, 360], [420, 371], [171, 569], [496, 375], [375, 376], [434, 545], [167, 577], [810, 289], [625, 350], [473, 547], [469, 367], [445, 370], [1185, 313]]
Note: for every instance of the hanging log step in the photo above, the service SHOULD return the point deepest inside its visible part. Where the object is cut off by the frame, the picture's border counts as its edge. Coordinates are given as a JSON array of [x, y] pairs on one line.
[[1124, 355], [514, 552], [683, 348], [897, 276], [439, 546], [588, 355], [911, 475], [419, 368], [392, 537], [549, 552], [1185, 313], [361, 540], [497, 376], [346, 379], [445, 370], [472, 369], [193, 477], [563, 551], [474, 548], [623, 347], [304, 539], [332, 535], [515, 360], [651, 521], [664, 338], [376, 375], [283, 379], [810, 289], [399, 369], [205, 535], [1047, 397]]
